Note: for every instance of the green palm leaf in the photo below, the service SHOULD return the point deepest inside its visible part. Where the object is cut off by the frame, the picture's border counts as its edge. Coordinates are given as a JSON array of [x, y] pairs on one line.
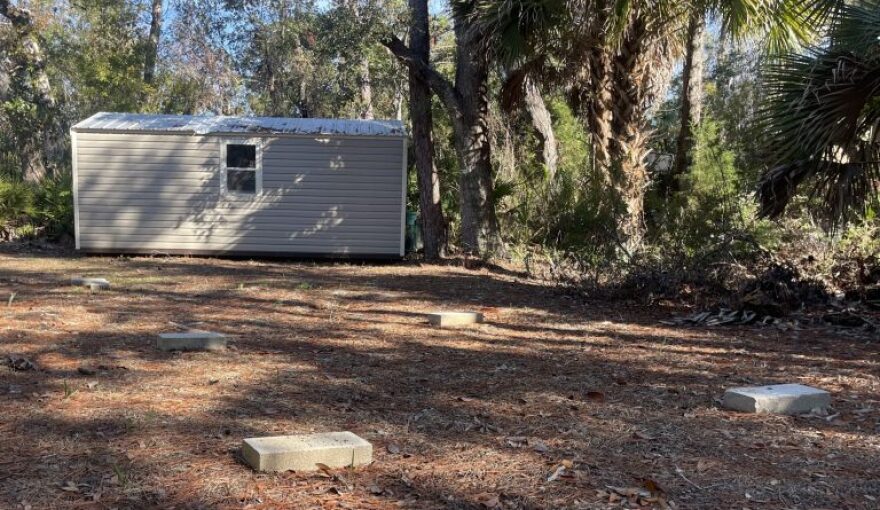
[[821, 117]]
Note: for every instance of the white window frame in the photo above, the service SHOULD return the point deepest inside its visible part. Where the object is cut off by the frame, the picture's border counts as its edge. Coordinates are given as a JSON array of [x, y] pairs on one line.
[[258, 168]]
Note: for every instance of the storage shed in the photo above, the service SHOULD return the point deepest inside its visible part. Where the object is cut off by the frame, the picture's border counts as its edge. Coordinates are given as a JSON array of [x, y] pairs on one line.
[[239, 185]]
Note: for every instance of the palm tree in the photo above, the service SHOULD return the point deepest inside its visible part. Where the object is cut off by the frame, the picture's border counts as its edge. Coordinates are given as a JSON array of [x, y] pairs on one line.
[[822, 117], [604, 54]]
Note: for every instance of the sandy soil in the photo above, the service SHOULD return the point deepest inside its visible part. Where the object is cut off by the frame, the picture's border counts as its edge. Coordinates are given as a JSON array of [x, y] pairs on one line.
[[552, 403]]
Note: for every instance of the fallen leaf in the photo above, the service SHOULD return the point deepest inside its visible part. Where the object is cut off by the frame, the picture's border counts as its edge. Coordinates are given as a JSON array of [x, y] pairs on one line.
[[540, 447], [560, 470], [653, 486], [488, 500], [344, 481], [70, 487], [596, 396], [329, 473], [629, 492], [325, 469], [703, 465]]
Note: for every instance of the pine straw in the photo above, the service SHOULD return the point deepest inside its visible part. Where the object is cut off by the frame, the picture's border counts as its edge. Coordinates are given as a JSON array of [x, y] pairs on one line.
[[599, 394]]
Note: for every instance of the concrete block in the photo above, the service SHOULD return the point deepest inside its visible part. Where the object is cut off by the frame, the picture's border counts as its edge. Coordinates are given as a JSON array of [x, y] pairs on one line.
[[91, 283], [777, 399], [191, 341], [445, 319], [304, 452]]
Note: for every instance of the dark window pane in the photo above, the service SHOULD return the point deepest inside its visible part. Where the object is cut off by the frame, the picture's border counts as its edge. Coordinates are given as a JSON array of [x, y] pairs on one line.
[[241, 181], [241, 156]]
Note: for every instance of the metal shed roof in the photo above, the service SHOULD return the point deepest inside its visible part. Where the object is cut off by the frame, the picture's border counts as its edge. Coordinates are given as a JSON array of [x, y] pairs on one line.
[[201, 125]]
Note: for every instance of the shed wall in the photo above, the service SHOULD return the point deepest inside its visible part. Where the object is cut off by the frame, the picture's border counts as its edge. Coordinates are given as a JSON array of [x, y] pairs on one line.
[[163, 192]]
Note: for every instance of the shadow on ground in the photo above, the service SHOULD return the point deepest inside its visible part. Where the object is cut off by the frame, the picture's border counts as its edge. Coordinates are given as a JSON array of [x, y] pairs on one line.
[[472, 416]]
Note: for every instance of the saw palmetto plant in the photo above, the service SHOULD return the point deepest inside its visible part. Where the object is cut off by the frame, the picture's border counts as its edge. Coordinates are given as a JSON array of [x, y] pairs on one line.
[[822, 118]]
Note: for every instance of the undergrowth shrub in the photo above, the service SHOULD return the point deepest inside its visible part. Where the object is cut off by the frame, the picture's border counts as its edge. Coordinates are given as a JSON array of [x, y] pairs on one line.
[[706, 243], [54, 206], [16, 201], [28, 210]]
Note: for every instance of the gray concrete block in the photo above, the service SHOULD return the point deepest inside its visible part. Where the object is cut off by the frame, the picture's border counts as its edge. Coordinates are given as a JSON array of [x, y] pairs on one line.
[[303, 452], [191, 341], [776, 399], [91, 283], [445, 319]]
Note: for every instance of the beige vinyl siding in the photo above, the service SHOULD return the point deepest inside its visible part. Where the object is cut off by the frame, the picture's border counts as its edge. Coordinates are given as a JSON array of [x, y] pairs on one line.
[[163, 193]]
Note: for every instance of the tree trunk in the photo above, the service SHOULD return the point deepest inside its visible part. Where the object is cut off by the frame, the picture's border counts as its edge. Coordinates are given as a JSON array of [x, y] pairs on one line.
[[433, 223], [152, 50], [691, 102], [303, 108], [599, 102], [366, 104], [36, 136], [366, 90], [33, 168], [479, 224], [630, 142], [5, 81], [543, 124], [468, 105], [398, 102]]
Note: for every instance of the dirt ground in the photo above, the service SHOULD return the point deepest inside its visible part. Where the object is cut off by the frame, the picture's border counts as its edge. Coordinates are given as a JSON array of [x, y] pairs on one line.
[[552, 403]]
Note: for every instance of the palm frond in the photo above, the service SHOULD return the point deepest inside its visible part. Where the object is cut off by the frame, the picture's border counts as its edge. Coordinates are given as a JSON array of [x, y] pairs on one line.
[[520, 29], [822, 114], [783, 24]]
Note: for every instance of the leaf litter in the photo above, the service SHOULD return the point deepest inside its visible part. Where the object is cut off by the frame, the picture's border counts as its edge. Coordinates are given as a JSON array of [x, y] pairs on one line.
[[555, 404]]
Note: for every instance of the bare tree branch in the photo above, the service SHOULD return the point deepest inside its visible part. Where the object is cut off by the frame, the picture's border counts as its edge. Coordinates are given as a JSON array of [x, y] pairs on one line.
[[438, 83]]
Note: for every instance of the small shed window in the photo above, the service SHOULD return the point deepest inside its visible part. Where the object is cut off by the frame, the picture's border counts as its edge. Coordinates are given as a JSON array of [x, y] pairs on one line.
[[242, 167]]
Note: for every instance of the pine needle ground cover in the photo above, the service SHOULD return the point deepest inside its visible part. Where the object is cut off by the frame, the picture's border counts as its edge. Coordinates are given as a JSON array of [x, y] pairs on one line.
[[550, 403]]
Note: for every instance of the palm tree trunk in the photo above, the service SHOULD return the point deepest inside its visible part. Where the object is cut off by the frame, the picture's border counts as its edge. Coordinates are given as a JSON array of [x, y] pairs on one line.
[[543, 124], [152, 50], [630, 142], [594, 84], [691, 102], [479, 224], [421, 117]]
